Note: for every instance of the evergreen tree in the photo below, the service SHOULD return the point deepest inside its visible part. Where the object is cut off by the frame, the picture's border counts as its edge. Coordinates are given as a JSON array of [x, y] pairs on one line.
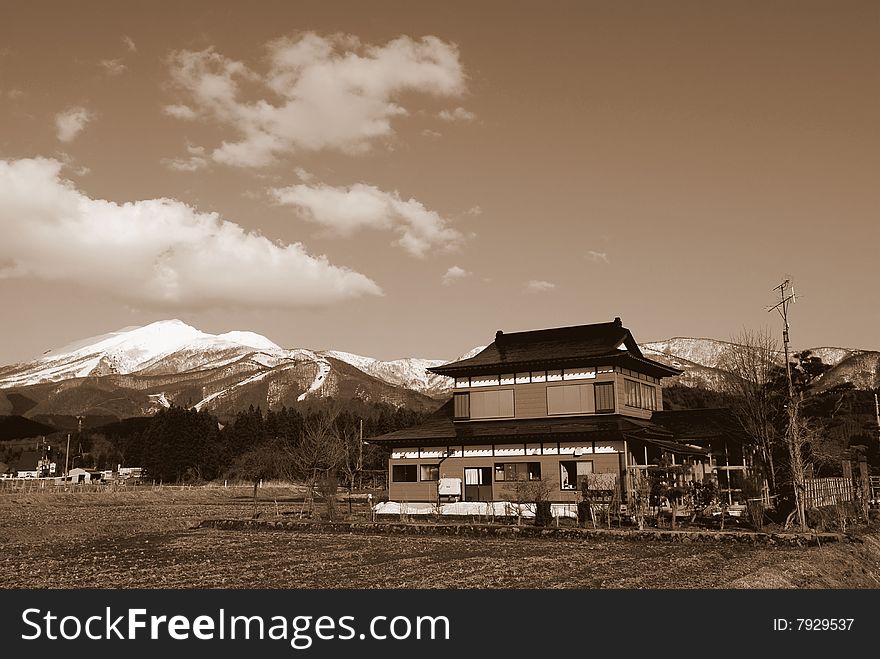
[[182, 445]]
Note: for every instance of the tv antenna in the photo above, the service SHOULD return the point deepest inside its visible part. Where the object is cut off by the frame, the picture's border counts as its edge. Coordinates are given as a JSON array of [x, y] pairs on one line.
[[787, 296]]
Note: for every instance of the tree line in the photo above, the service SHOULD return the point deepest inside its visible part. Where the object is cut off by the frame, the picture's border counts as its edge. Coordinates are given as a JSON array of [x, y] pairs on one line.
[[180, 445]]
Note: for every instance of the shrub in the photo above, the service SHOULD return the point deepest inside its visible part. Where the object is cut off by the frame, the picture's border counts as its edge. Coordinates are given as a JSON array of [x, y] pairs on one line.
[[543, 514]]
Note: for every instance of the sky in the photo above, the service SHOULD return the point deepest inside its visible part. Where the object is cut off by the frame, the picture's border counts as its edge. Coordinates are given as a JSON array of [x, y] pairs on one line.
[[403, 179]]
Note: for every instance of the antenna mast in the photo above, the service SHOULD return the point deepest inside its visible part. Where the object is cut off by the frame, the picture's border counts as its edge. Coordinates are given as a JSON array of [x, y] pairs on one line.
[[786, 297]]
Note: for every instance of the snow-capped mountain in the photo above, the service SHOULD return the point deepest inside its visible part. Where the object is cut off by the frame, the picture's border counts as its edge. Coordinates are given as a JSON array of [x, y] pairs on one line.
[[127, 351], [834, 356], [709, 353], [704, 362], [138, 370], [409, 372]]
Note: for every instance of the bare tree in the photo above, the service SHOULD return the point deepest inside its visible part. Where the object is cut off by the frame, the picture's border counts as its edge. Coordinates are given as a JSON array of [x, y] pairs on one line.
[[352, 455], [769, 409], [639, 499], [754, 398], [533, 496], [272, 459], [600, 493], [319, 452]]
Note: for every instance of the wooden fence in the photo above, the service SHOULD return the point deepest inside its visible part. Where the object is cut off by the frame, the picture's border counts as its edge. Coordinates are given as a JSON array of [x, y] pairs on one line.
[[828, 491]]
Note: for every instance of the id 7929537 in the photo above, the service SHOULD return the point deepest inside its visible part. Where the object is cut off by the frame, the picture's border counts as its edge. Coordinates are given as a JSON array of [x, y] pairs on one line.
[[813, 624]]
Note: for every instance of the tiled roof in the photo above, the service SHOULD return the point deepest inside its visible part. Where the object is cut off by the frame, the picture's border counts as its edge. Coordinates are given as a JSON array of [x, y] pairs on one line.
[[580, 344], [28, 461], [441, 427], [701, 424]]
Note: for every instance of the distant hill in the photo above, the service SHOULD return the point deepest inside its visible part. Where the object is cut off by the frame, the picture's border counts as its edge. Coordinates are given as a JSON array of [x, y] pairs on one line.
[[703, 362], [18, 427], [860, 369]]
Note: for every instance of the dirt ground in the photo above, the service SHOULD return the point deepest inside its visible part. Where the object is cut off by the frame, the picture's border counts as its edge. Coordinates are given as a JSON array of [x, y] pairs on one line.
[[147, 539]]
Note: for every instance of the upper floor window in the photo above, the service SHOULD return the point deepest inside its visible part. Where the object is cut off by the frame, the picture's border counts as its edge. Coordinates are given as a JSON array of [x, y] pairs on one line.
[[462, 405], [484, 381], [569, 399], [649, 397], [640, 395], [604, 397], [633, 393], [492, 404]]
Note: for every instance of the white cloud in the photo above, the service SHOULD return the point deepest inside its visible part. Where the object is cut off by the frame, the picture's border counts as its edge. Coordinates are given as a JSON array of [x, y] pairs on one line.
[[179, 111], [458, 114], [347, 210], [303, 175], [197, 160], [454, 274], [71, 122], [160, 251], [113, 67], [191, 164], [596, 257], [129, 43], [539, 286], [433, 134], [70, 163], [318, 93], [474, 210]]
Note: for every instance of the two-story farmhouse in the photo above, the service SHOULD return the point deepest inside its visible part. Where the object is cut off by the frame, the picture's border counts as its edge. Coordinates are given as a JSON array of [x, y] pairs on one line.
[[555, 404]]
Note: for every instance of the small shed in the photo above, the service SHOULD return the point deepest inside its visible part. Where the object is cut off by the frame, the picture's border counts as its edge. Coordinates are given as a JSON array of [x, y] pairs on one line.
[[79, 475]]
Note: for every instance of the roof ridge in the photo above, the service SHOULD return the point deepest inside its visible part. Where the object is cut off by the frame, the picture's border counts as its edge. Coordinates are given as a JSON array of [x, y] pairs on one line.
[[614, 323]]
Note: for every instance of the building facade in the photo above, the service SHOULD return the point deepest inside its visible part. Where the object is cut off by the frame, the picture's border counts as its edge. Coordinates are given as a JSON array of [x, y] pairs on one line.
[[561, 406]]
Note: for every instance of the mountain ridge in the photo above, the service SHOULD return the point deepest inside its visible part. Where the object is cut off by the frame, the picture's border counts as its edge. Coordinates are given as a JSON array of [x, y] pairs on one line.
[[138, 370]]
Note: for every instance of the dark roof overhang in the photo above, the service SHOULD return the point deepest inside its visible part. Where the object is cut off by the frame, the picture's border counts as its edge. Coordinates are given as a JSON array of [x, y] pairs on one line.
[[440, 428], [623, 359]]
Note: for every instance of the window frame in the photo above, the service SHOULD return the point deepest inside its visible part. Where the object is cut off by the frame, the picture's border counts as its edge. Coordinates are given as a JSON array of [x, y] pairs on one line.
[[633, 393], [577, 485], [461, 396], [649, 401], [506, 392], [395, 468], [429, 465], [528, 470], [604, 410]]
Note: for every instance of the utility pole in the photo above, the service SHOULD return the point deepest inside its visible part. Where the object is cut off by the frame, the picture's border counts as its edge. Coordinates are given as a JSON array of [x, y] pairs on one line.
[[785, 299], [66, 459], [793, 435], [79, 439], [877, 414]]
